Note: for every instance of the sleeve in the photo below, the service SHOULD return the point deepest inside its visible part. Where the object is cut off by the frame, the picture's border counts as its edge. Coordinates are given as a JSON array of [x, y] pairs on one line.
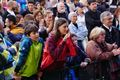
[[24, 50], [95, 53], [14, 38]]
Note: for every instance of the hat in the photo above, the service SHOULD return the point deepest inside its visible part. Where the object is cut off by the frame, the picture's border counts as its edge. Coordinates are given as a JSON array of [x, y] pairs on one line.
[[11, 18], [91, 1]]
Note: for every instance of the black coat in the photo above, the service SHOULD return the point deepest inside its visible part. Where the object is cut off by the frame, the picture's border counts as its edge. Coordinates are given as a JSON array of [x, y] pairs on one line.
[[112, 36], [92, 20]]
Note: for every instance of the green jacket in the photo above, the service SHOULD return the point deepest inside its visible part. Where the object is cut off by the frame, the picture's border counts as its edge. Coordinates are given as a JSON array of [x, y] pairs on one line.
[[29, 58]]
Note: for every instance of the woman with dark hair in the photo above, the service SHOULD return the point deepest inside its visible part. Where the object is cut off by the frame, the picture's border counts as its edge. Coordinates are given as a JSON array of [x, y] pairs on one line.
[[60, 45]]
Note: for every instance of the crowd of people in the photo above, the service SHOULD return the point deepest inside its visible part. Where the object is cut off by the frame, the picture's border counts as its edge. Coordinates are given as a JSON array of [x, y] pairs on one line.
[[59, 40]]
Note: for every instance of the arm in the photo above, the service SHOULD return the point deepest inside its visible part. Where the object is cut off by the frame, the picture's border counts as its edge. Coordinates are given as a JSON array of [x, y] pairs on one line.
[[24, 50], [14, 38], [94, 52]]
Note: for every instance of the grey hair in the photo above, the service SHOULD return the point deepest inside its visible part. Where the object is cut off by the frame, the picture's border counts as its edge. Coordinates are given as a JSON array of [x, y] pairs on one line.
[[1, 21], [59, 3], [71, 14], [105, 14], [94, 34]]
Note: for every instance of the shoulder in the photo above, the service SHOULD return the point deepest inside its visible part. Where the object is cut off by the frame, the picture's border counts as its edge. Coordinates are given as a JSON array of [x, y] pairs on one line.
[[91, 42], [41, 40], [26, 41]]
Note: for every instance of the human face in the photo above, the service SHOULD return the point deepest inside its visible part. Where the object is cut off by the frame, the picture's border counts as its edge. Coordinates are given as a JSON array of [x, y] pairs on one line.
[[108, 21], [39, 16], [49, 17], [63, 29], [101, 38], [34, 36], [80, 10], [61, 8], [93, 6], [31, 7], [74, 19], [7, 22]]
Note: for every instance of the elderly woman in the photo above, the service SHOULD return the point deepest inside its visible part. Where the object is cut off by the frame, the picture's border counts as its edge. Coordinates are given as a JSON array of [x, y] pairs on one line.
[[77, 29], [102, 53]]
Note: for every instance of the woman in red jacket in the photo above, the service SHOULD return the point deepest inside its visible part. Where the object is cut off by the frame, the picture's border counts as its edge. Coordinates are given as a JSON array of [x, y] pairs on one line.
[[60, 45]]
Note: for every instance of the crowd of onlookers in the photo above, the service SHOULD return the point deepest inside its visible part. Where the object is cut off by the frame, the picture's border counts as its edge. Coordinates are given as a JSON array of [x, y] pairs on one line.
[[60, 40]]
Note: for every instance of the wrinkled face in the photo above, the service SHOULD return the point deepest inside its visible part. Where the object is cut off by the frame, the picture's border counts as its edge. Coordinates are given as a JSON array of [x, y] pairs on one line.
[[74, 18], [108, 20], [61, 8], [34, 36], [93, 6], [101, 38], [63, 29], [30, 7]]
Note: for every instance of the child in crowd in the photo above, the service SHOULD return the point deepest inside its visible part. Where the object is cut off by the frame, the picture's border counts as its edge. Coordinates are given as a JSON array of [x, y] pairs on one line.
[[30, 54]]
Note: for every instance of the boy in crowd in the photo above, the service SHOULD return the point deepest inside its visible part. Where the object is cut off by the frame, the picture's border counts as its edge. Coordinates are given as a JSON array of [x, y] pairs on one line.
[[30, 51]]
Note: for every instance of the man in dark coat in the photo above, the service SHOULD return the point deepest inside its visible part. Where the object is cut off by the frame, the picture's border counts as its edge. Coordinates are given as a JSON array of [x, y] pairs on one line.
[[92, 16]]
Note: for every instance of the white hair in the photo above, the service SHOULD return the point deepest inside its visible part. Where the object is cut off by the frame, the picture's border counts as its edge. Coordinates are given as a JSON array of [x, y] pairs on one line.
[[71, 14], [105, 14]]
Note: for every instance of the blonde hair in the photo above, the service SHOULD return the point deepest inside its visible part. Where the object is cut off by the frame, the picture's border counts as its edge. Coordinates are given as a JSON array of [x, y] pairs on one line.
[[94, 34]]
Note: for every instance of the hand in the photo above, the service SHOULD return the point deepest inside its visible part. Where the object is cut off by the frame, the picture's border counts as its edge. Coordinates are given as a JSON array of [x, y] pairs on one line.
[[83, 64], [39, 74], [116, 51], [16, 77], [66, 36], [6, 30], [114, 45]]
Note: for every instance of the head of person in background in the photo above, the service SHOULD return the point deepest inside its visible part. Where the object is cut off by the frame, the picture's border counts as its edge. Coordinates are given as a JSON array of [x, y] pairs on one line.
[[31, 5], [28, 17], [38, 15], [61, 7], [80, 9], [72, 17], [97, 34], [4, 3], [10, 5], [92, 5], [107, 18], [48, 16], [16, 7], [19, 20], [10, 21]]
